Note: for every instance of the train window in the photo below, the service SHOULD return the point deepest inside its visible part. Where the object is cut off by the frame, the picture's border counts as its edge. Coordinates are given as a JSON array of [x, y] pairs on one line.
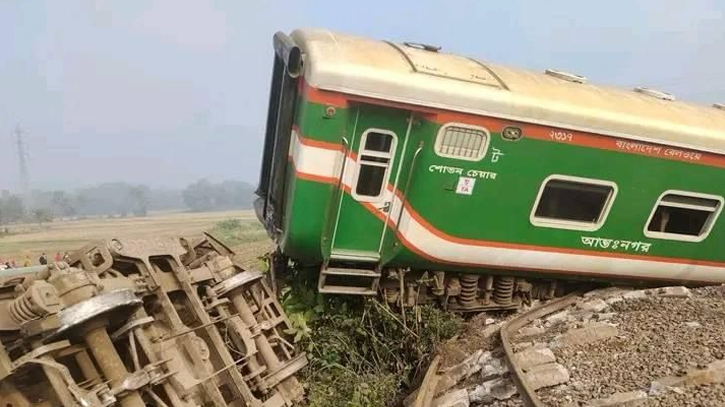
[[375, 157], [566, 202], [455, 140], [686, 216]]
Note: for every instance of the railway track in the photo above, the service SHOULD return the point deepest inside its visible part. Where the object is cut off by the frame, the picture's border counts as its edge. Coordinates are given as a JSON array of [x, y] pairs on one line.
[[526, 392], [439, 380], [659, 347]]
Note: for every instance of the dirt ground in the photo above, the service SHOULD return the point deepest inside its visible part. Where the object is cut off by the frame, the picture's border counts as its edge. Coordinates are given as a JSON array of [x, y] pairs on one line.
[[249, 254], [61, 236]]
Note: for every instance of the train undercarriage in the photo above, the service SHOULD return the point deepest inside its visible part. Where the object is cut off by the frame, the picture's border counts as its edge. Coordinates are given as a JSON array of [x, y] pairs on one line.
[[464, 292], [136, 323], [454, 291]]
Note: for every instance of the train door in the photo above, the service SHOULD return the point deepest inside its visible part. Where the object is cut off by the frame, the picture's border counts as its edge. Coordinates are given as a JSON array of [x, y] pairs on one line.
[[370, 175]]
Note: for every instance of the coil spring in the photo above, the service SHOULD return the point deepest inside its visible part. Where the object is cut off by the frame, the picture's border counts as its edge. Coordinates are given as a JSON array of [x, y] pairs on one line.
[[469, 289], [503, 290], [391, 295], [21, 310]]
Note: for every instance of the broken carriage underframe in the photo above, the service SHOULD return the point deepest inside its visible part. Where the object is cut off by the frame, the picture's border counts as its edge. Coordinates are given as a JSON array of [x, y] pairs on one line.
[[158, 322]]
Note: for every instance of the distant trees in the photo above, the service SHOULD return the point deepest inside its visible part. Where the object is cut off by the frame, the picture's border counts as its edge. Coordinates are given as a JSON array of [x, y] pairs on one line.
[[11, 209], [207, 196], [112, 198], [138, 200], [120, 198], [199, 196], [62, 204], [164, 198], [41, 215]]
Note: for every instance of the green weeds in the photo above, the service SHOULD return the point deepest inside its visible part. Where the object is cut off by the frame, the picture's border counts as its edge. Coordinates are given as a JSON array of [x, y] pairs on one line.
[[234, 232], [362, 353]]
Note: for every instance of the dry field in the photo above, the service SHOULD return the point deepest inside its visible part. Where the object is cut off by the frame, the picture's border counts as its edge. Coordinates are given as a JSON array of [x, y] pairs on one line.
[[61, 236]]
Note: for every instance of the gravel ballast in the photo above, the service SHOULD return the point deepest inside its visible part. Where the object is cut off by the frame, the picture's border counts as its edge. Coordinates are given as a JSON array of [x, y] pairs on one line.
[[658, 336]]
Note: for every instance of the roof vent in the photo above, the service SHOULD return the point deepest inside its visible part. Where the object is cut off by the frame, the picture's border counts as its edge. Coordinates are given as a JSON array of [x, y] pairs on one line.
[[569, 77], [719, 106], [420, 45], [654, 93]]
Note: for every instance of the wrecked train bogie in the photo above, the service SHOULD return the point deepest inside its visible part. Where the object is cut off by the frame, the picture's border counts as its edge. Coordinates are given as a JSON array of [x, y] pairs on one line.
[[135, 323]]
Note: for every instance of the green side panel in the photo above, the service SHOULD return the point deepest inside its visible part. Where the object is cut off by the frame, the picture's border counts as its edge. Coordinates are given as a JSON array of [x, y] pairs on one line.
[[311, 206], [314, 122], [308, 214], [498, 209]]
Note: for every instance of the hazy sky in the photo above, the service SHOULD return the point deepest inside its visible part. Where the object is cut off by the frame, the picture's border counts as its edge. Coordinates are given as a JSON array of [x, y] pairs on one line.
[[166, 92]]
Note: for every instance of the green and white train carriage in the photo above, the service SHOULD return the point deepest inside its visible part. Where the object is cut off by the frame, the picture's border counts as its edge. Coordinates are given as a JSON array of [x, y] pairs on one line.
[[384, 158]]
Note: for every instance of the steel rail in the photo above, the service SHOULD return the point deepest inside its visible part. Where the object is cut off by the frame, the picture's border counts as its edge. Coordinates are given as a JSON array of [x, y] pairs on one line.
[[528, 395]]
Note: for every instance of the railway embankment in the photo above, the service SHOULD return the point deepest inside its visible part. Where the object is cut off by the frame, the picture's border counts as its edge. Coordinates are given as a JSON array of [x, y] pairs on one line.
[[606, 348]]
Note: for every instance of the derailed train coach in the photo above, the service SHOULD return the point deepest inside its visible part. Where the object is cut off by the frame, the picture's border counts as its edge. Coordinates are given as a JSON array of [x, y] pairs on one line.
[[403, 170]]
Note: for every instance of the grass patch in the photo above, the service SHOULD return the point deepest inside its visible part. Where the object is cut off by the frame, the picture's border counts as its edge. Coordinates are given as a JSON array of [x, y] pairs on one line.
[[362, 353], [234, 232]]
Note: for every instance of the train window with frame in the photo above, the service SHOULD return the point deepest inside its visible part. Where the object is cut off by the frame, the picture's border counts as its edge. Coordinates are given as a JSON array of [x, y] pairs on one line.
[[566, 202], [462, 141], [375, 158], [681, 215]]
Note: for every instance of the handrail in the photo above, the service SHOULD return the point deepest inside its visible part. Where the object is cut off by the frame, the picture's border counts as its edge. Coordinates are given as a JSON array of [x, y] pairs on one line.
[[338, 194], [345, 149], [407, 183]]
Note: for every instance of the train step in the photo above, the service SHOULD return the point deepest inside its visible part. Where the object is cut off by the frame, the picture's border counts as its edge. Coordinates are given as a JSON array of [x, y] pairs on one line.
[[350, 281], [355, 255]]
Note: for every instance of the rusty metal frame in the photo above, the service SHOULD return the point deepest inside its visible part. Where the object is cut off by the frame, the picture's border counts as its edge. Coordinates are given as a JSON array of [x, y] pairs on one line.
[[159, 316]]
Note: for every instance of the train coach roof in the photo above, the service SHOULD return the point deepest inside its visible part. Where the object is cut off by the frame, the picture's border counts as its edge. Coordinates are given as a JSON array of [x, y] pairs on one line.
[[422, 76]]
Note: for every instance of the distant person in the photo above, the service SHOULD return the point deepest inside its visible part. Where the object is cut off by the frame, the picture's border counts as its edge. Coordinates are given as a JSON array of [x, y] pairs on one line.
[[26, 261], [66, 257], [7, 265], [43, 260], [58, 257]]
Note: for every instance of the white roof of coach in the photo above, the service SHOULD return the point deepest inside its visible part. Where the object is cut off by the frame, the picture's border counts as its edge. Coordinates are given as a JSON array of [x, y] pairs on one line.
[[411, 74]]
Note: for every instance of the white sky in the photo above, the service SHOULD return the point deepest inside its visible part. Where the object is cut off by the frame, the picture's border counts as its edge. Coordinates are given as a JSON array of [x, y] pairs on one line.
[[165, 92]]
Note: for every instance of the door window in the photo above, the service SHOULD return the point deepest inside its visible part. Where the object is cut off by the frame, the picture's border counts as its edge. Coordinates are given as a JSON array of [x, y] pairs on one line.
[[375, 157]]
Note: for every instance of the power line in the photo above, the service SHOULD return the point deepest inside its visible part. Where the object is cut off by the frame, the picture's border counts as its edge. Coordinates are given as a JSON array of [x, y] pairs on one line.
[[23, 158]]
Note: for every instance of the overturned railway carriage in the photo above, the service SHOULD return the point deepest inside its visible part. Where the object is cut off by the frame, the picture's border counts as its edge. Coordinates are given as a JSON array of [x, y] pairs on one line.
[[157, 322], [478, 184]]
